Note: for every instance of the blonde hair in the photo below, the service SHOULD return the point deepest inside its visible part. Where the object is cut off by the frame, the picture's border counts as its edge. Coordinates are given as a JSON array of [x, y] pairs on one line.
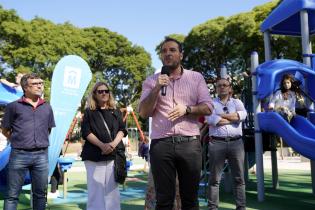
[[92, 101]]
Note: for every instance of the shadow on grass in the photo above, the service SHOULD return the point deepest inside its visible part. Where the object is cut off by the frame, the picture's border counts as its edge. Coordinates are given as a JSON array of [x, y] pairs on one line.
[[129, 206]]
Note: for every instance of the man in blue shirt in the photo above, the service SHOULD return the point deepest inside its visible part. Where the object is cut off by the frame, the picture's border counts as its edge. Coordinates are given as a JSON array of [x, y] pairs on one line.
[[27, 123], [225, 130]]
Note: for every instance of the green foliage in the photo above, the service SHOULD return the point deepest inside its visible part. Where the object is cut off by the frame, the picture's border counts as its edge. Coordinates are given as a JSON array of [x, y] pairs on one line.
[[38, 45], [230, 41]]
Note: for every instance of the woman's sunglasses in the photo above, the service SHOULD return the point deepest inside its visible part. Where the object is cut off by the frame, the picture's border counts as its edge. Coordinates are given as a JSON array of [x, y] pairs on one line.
[[102, 91]]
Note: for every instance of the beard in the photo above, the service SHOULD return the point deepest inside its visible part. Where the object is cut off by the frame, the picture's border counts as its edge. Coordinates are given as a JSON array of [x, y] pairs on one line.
[[173, 66]]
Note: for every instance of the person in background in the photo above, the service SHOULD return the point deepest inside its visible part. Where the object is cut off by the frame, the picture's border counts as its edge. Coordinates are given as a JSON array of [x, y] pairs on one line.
[[100, 147], [283, 101], [17, 84], [226, 142], [27, 123], [55, 180]]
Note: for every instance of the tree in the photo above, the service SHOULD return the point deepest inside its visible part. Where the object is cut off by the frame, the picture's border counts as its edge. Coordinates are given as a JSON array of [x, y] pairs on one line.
[[39, 44], [230, 41]]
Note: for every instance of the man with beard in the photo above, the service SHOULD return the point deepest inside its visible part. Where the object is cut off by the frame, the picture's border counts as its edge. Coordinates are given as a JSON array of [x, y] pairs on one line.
[[175, 146], [27, 123]]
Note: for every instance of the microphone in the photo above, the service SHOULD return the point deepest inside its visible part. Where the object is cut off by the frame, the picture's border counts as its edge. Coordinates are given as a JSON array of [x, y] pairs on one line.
[[165, 70]]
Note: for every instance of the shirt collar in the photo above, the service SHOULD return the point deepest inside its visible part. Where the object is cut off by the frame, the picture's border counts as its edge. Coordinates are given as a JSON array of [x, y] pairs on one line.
[[219, 101], [23, 100], [181, 73]]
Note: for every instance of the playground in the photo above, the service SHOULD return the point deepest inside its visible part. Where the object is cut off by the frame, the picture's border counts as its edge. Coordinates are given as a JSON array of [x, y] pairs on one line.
[[273, 183], [294, 191]]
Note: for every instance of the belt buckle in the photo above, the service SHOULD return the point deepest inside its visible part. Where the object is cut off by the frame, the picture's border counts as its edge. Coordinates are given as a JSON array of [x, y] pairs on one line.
[[176, 139]]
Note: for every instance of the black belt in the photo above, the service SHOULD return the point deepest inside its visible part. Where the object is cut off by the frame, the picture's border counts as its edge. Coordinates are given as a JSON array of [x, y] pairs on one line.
[[179, 139], [234, 138], [31, 149]]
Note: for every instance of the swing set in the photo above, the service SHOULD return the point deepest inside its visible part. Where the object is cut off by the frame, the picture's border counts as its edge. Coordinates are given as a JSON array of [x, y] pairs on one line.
[[129, 111]]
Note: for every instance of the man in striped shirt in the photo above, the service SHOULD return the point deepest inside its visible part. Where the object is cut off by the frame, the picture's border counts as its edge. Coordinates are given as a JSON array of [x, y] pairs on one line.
[[175, 146]]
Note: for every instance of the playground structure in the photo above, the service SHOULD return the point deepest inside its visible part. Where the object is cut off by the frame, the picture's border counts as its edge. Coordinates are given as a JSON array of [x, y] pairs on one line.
[[291, 17], [287, 18]]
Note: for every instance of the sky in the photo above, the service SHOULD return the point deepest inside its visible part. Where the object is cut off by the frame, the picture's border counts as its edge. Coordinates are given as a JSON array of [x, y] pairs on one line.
[[143, 22]]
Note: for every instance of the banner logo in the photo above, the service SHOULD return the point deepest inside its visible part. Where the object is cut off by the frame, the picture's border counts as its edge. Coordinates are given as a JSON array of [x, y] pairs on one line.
[[72, 77]]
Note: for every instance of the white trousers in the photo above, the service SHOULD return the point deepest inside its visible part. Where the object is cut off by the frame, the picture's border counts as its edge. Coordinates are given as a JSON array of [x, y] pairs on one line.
[[103, 191]]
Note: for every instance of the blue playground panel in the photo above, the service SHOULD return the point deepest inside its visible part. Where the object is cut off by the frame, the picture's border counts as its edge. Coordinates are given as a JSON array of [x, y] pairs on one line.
[[299, 134], [285, 19], [269, 75], [65, 163], [8, 94]]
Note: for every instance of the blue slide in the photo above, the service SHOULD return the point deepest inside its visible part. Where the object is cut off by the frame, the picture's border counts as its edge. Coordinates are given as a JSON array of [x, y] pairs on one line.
[[4, 157], [299, 134], [8, 94]]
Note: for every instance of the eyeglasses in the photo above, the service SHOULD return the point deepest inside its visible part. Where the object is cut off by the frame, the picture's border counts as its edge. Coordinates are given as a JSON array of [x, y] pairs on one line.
[[226, 110], [102, 91], [223, 85], [36, 83]]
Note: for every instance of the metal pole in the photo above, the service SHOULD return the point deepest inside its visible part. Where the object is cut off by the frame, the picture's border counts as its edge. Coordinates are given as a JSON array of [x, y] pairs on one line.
[[274, 163], [223, 72], [267, 46], [273, 152], [306, 44], [307, 49], [258, 136], [313, 175]]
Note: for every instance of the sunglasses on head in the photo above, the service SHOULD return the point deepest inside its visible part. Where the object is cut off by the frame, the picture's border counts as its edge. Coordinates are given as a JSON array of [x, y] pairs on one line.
[[102, 91], [226, 110]]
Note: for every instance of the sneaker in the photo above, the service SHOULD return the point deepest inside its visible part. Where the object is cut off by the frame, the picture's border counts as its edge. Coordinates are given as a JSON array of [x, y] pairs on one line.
[[53, 195]]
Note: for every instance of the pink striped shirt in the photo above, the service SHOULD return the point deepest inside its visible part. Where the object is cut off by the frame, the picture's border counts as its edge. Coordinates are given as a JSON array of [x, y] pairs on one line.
[[188, 89]]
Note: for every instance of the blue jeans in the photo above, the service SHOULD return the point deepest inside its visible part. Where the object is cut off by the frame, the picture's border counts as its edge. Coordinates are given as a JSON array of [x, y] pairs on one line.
[[21, 161]]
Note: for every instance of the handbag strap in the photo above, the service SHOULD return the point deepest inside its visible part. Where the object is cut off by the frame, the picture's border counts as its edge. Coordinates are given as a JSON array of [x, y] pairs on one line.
[[106, 126]]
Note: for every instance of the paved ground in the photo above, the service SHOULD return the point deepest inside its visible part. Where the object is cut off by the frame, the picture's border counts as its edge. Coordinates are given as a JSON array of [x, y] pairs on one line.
[[296, 163]]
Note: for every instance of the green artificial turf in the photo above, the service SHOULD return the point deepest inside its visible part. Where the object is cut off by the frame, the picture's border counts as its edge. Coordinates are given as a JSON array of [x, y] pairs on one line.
[[294, 193]]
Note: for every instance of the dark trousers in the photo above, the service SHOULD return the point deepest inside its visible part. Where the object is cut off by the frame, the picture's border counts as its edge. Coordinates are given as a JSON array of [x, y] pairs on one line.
[[233, 151], [166, 159], [55, 179]]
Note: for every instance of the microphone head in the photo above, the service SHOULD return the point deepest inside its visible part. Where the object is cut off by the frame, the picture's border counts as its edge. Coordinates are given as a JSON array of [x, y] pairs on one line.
[[165, 70]]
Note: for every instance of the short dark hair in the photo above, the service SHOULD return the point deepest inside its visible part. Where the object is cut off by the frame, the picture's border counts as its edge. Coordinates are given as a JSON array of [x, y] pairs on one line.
[[25, 77], [169, 39], [223, 78]]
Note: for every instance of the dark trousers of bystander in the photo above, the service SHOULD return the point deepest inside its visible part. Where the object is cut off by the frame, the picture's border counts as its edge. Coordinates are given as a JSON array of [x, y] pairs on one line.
[[166, 159], [233, 151]]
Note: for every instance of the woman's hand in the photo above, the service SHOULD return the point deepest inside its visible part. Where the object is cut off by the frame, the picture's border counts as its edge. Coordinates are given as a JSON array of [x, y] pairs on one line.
[[113, 144], [107, 148]]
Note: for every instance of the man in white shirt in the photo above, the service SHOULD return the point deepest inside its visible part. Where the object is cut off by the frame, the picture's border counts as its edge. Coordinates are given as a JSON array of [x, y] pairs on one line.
[[226, 142]]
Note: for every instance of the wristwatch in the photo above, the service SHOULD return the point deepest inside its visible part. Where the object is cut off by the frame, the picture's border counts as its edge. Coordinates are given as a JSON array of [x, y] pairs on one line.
[[188, 110]]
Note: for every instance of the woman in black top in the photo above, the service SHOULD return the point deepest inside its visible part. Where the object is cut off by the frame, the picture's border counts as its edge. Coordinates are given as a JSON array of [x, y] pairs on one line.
[[100, 147]]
